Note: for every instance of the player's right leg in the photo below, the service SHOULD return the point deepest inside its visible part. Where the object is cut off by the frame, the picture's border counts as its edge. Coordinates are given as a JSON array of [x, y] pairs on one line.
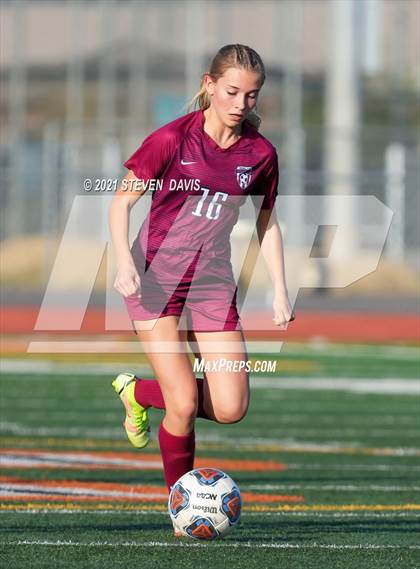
[[178, 387], [165, 348]]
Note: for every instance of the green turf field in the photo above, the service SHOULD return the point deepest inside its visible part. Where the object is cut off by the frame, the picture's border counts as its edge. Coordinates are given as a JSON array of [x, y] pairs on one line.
[[327, 460]]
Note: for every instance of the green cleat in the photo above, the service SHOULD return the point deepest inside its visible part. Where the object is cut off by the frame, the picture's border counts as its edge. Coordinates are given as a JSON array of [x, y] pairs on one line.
[[136, 422]]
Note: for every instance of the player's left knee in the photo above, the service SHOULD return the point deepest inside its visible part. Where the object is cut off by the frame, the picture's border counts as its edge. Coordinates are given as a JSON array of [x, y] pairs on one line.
[[232, 414]]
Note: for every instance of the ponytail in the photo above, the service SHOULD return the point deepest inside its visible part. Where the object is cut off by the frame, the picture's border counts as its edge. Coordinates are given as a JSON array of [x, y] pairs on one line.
[[201, 99]]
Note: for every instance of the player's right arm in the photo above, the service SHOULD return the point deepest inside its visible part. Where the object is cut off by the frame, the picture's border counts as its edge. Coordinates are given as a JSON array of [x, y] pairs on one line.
[[148, 162], [130, 190]]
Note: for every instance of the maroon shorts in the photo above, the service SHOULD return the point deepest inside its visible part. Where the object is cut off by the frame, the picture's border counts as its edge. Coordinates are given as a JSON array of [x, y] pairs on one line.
[[205, 293]]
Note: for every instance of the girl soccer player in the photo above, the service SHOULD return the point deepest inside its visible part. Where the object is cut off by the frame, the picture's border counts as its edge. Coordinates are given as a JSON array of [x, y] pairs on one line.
[[207, 163]]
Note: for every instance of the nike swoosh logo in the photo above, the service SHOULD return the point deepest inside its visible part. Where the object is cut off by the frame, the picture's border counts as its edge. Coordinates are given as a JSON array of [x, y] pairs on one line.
[[185, 162]]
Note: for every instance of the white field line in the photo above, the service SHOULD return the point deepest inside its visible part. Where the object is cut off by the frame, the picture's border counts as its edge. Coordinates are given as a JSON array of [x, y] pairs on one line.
[[244, 443], [322, 447], [4, 461], [19, 489], [388, 386], [37, 367], [24, 430], [332, 487], [64, 459], [226, 544], [357, 351], [410, 427], [16, 489], [356, 432], [356, 385], [370, 467], [138, 512], [293, 430], [8, 462], [36, 405], [142, 512], [327, 447]]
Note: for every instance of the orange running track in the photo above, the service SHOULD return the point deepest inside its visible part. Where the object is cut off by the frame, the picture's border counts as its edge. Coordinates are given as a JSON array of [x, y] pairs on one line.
[[329, 326]]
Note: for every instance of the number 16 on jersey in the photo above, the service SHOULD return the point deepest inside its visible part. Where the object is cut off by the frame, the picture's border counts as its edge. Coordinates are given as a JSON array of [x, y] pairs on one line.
[[213, 207]]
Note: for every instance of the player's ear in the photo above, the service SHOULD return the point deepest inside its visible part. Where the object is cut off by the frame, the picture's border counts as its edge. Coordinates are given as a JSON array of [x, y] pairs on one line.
[[209, 84]]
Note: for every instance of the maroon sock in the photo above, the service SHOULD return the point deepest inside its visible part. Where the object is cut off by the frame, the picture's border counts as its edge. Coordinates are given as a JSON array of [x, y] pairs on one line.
[[147, 392], [177, 454]]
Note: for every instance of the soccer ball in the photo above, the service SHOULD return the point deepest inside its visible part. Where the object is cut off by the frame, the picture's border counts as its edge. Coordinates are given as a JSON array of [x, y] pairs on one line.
[[205, 504]]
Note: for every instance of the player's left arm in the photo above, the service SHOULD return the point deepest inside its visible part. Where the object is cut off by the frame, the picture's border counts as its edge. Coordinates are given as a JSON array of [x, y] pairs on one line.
[[271, 243]]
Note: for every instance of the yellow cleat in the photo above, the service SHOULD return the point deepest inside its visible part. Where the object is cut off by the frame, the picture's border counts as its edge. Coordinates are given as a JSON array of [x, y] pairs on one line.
[[136, 422]]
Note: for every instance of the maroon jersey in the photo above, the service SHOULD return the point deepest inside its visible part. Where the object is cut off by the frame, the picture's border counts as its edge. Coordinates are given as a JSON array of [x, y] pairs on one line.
[[182, 251], [202, 185]]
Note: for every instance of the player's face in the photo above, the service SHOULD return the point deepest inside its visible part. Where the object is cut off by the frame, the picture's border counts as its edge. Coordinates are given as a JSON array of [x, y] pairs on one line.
[[234, 95]]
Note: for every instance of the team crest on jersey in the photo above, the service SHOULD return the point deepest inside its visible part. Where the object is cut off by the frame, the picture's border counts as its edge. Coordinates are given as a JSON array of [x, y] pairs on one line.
[[243, 176]]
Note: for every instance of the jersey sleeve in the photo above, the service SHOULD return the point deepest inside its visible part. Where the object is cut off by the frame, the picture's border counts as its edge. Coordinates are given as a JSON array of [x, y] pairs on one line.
[[268, 181], [149, 161]]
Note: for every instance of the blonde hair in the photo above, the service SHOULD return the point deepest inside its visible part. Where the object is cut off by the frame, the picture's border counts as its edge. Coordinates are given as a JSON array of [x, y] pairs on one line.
[[232, 55]]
